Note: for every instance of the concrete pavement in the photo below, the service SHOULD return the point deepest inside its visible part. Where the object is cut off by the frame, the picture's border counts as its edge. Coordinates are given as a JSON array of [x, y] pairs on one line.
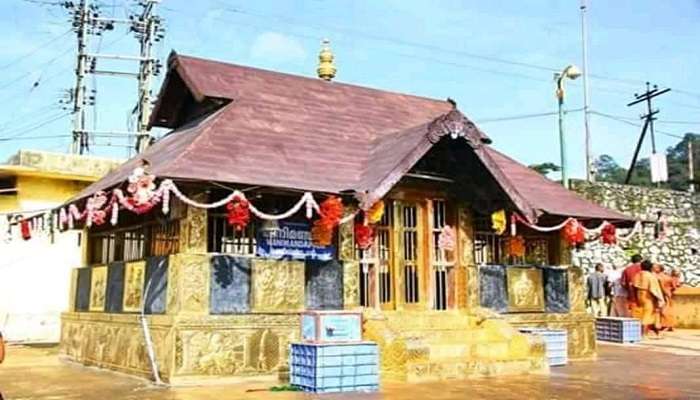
[[668, 368]]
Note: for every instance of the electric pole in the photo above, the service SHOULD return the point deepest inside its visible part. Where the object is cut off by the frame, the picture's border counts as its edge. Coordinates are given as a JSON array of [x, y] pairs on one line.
[[147, 27], [691, 167], [80, 23], [648, 122], [584, 44]]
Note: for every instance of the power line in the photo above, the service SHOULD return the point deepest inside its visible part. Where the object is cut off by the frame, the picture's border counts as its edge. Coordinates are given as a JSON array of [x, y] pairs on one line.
[[325, 28], [35, 138], [22, 132], [524, 116], [626, 120], [34, 50]]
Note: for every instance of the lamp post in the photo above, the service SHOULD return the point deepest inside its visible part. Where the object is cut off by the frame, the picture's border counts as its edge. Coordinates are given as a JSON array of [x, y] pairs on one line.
[[570, 72]]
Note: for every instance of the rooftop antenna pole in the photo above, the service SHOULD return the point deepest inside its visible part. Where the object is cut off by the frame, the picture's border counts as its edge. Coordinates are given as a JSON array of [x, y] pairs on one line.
[[584, 41]]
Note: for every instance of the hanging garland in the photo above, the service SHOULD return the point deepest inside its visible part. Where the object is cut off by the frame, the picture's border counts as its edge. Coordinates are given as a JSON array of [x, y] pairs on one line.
[[574, 233], [364, 236], [331, 211], [515, 219], [498, 221], [608, 234], [515, 246], [375, 213], [238, 214]]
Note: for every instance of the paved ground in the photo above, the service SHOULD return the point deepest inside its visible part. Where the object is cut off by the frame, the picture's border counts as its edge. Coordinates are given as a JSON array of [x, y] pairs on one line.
[[656, 369]]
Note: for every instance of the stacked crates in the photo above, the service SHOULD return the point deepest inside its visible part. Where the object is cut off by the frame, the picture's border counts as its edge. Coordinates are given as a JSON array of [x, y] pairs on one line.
[[555, 344], [334, 367], [620, 330]]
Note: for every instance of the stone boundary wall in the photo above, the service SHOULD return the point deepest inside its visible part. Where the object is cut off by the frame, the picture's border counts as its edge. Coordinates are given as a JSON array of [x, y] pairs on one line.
[[681, 247]]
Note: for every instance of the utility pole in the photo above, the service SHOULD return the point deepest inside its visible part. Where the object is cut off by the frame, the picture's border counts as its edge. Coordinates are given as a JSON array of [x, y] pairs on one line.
[[146, 29], [80, 24], [87, 21], [691, 167], [648, 122], [584, 42]]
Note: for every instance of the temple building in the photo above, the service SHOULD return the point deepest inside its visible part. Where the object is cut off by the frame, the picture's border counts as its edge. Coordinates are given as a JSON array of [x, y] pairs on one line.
[[275, 193]]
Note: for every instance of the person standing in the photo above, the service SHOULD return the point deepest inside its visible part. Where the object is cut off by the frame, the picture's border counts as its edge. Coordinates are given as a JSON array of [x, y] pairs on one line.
[[627, 282], [668, 284], [618, 302], [650, 298], [596, 291]]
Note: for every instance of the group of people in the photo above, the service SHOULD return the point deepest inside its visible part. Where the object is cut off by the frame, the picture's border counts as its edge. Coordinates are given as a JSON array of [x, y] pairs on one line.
[[642, 290]]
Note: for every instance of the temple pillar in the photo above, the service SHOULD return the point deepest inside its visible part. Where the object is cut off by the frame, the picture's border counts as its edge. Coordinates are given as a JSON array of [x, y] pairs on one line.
[[467, 272], [351, 267], [189, 271]]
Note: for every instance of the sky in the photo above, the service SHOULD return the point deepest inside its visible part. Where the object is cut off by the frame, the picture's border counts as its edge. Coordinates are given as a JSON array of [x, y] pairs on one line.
[[496, 59]]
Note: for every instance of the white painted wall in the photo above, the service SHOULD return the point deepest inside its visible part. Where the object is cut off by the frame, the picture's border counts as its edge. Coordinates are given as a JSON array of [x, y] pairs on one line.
[[34, 283]]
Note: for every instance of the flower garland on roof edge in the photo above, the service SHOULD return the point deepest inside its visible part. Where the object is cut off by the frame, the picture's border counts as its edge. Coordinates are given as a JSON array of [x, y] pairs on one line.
[[142, 196], [607, 231]]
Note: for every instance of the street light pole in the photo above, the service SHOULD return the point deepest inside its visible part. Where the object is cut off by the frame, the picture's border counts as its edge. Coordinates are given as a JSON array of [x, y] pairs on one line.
[[562, 137], [570, 72]]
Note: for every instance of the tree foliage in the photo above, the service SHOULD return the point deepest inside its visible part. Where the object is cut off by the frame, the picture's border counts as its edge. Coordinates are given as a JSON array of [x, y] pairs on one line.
[[608, 170], [545, 168]]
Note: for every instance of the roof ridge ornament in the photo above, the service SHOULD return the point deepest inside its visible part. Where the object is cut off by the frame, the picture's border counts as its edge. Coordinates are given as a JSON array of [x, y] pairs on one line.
[[452, 123], [326, 68]]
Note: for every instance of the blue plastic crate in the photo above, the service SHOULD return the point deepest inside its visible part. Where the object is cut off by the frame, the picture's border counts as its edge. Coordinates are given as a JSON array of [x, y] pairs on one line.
[[341, 367], [620, 330], [555, 344]]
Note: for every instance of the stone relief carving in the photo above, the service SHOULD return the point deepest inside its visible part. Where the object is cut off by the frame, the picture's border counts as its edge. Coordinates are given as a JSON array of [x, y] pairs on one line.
[[133, 286], [278, 285], [194, 283], [525, 291], [351, 284], [98, 287]]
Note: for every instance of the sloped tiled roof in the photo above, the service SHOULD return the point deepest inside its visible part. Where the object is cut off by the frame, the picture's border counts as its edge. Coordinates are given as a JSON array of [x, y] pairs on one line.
[[292, 132]]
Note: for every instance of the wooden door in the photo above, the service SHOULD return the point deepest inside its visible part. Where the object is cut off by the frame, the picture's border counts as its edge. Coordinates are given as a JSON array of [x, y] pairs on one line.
[[409, 263]]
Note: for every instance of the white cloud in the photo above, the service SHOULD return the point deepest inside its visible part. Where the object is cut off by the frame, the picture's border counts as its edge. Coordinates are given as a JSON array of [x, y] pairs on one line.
[[272, 47]]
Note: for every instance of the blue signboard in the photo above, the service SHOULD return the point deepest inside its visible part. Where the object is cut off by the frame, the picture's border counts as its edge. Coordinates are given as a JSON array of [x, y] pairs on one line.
[[291, 240]]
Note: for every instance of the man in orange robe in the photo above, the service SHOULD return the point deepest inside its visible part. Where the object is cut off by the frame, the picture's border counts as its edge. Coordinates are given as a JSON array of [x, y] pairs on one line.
[[627, 282], [649, 297]]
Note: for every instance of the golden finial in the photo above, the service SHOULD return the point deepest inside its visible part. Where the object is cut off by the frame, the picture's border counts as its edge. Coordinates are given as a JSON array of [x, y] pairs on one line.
[[326, 68]]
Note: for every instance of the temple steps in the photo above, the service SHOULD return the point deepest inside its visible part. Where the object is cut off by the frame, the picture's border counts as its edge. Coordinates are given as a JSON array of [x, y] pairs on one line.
[[422, 346]]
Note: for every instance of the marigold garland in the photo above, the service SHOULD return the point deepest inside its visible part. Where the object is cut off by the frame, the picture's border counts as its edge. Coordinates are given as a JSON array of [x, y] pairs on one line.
[[574, 233], [515, 246], [238, 214], [331, 210], [375, 213], [608, 234], [364, 236]]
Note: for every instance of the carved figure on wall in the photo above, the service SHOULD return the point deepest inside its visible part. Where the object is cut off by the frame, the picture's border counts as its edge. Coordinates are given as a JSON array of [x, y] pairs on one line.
[[525, 291], [133, 286], [98, 288], [278, 285]]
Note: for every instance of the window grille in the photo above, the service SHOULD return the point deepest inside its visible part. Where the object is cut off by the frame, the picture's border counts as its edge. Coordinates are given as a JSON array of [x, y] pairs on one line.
[[409, 232], [440, 260], [224, 238]]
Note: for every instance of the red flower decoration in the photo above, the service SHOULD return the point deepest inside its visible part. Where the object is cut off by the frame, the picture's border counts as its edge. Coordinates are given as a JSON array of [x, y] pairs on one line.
[[26, 229], [238, 213], [573, 233], [364, 236], [608, 234], [331, 211]]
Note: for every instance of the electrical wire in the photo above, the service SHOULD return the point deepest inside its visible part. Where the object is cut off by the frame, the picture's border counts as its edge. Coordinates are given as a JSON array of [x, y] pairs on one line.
[[34, 50], [23, 132], [626, 120], [35, 138], [525, 116]]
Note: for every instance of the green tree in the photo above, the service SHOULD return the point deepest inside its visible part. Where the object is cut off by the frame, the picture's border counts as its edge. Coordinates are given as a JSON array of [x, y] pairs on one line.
[[545, 168], [608, 170]]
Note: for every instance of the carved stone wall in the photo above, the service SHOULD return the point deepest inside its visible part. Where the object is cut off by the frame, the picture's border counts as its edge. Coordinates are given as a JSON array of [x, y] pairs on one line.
[[188, 284], [115, 342], [351, 284], [223, 346], [277, 285], [467, 273], [580, 328], [193, 228]]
